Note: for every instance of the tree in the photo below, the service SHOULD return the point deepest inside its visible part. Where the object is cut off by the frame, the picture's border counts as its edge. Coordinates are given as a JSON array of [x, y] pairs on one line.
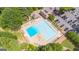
[[51, 47], [76, 49], [57, 47], [36, 8], [63, 9], [11, 18], [67, 8], [26, 11], [51, 17], [45, 48], [1, 9], [8, 41], [74, 37]]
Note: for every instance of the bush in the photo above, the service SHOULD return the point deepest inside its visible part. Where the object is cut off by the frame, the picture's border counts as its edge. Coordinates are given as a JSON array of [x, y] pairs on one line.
[[51, 47], [28, 47]]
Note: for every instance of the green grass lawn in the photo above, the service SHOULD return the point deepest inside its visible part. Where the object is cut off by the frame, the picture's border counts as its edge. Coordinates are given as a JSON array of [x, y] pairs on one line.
[[68, 44], [19, 35]]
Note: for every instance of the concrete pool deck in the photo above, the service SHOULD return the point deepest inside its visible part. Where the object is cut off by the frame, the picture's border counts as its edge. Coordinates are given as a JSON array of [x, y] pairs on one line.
[[38, 39]]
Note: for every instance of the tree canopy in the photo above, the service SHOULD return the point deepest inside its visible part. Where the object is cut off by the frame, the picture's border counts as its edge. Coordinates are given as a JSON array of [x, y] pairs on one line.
[[1, 9], [26, 11], [8, 41], [11, 18], [63, 9], [51, 47], [73, 36], [51, 17]]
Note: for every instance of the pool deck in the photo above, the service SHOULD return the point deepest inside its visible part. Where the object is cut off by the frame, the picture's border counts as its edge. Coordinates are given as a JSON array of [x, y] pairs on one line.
[[37, 39]]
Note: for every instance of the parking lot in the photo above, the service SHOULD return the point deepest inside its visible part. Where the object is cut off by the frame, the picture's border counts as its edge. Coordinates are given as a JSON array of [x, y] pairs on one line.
[[69, 21]]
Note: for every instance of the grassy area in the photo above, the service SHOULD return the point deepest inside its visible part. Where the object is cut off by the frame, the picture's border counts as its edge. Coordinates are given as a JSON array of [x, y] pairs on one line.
[[68, 44], [19, 35], [16, 33]]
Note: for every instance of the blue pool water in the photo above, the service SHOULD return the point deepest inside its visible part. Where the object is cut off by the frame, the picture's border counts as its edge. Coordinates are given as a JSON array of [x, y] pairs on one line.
[[43, 28], [31, 31]]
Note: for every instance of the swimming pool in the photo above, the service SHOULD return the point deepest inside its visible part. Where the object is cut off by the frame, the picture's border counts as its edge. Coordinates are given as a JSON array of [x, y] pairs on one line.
[[41, 27], [31, 31]]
